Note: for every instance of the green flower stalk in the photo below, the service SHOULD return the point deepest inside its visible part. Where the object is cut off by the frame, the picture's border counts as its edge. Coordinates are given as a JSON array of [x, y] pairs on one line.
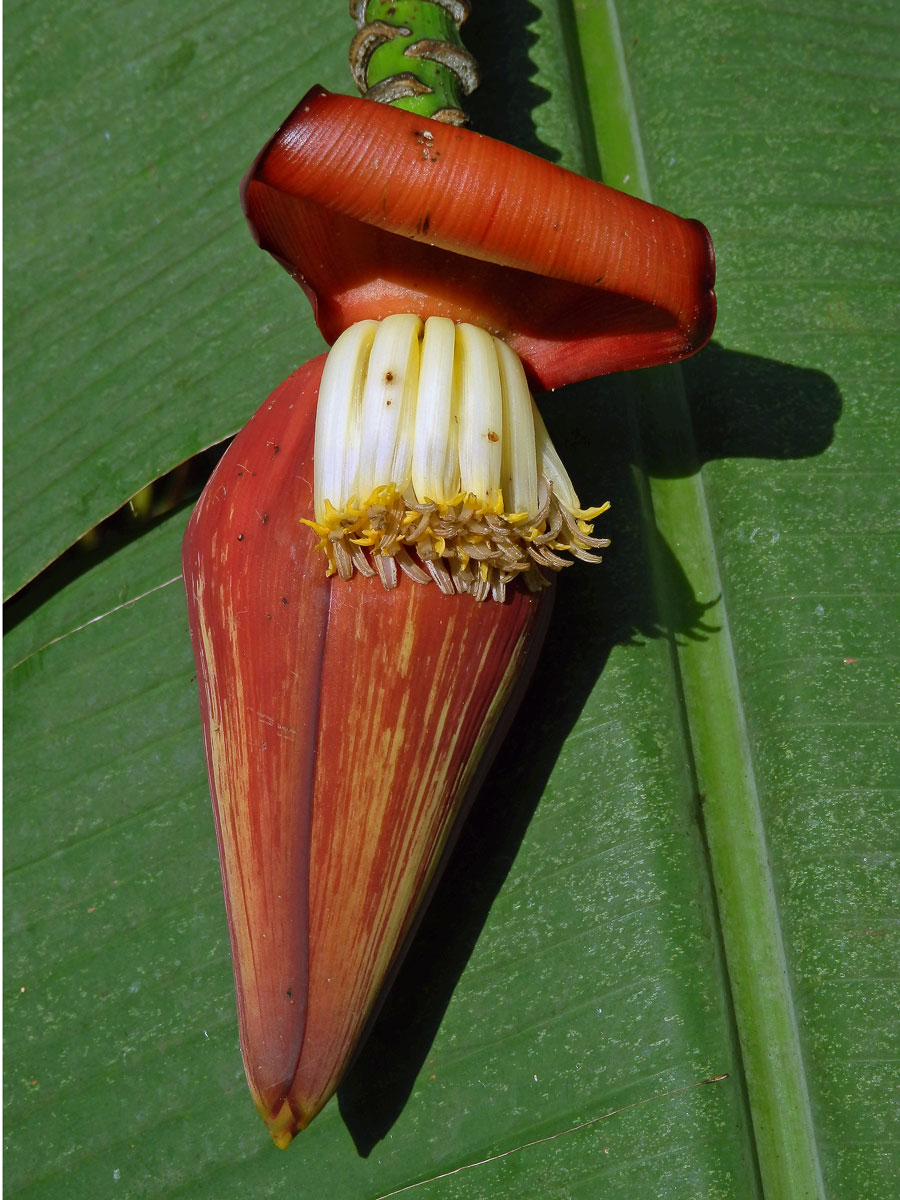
[[408, 53]]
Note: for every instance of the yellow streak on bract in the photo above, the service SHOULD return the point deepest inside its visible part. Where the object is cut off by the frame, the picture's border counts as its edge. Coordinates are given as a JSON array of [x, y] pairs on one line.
[[411, 841], [231, 776], [404, 650], [231, 749], [230, 771]]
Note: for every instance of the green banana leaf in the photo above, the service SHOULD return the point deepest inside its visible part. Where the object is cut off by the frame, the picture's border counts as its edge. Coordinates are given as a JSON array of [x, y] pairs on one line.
[[663, 961]]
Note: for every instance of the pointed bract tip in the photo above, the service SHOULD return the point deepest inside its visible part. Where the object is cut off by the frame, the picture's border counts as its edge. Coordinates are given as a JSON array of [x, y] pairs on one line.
[[285, 1124]]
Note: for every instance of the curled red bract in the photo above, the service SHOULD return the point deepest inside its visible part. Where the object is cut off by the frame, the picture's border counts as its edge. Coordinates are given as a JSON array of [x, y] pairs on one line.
[[376, 211]]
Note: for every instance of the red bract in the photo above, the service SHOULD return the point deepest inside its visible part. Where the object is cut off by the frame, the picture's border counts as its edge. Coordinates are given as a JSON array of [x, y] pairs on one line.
[[346, 728], [375, 211]]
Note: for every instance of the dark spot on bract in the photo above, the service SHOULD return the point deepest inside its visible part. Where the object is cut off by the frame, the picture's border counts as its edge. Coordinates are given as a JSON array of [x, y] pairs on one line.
[[493, 437], [389, 377], [240, 537]]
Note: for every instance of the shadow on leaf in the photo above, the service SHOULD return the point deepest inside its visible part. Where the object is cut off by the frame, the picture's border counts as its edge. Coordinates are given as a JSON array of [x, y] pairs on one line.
[[608, 430], [499, 37]]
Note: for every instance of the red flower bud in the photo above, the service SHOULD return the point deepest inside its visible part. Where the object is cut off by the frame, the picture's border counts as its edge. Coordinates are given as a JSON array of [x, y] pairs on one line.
[[346, 727]]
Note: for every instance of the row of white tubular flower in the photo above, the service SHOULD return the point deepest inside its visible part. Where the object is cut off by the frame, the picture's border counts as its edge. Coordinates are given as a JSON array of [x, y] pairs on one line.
[[427, 439]]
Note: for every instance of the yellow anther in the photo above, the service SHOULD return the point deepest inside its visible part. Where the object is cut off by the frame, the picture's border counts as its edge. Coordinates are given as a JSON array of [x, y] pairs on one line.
[[321, 530]]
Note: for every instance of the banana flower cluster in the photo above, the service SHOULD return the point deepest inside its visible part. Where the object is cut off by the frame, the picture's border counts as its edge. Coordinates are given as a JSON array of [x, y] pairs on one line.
[[368, 569]]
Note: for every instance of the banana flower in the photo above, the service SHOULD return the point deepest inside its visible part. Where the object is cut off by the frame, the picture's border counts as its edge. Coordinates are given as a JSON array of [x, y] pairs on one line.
[[349, 720]]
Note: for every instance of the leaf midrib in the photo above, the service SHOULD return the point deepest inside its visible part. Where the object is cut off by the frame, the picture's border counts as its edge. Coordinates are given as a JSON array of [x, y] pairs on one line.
[[712, 712]]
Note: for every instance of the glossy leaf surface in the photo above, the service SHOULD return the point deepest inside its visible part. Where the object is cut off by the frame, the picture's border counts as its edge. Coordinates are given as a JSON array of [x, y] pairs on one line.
[[572, 965]]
